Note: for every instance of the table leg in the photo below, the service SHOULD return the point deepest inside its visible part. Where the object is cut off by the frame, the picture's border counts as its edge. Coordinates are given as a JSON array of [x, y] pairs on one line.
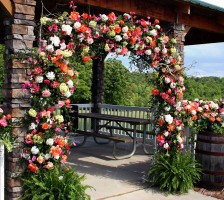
[[80, 139], [95, 130], [119, 157]]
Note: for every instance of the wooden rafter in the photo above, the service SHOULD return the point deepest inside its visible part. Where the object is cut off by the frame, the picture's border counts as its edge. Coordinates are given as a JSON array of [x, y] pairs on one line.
[[6, 5], [159, 11]]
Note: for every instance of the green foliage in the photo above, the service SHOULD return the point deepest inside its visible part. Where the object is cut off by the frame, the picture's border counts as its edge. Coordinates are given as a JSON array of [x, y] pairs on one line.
[[58, 184], [175, 174], [208, 88]]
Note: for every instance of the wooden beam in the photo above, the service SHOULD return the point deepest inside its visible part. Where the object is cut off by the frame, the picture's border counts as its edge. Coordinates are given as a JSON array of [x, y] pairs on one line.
[[6, 5], [159, 11], [187, 29]]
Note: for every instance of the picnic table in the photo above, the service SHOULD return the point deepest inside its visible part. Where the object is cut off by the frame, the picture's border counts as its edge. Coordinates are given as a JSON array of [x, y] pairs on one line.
[[106, 120]]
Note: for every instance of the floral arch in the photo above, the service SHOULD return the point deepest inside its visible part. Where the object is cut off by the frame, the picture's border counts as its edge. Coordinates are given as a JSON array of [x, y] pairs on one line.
[[53, 78]]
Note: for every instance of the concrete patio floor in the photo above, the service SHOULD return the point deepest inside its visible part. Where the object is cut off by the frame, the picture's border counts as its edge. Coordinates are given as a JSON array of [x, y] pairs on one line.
[[118, 179]]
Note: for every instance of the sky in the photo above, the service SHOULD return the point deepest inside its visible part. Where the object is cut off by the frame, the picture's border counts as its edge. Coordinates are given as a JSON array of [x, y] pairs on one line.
[[202, 60]]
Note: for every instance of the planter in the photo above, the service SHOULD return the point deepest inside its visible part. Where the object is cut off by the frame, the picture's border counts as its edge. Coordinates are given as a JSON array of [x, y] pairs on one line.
[[210, 153]]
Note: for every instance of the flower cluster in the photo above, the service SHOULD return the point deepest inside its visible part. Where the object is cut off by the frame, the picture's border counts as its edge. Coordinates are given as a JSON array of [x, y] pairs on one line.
[[85, 37], [203, 115], [6, 136]]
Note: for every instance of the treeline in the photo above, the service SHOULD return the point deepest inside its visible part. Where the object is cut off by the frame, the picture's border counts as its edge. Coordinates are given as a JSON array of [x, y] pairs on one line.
[[123, 87]]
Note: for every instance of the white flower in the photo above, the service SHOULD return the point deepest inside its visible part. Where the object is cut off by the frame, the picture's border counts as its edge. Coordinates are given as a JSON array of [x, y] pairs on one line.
[[118, 50], [179, 139], [47, 156], [104, 18], [34, 150], [193, 112], [50, 141], [214, 105], [50, 75], [200, 109], [166, 146], [164, 51], [32, 126], [59, 118], [60, 178], [39, 79], [70, 83], [77, 25], [196, 100], [172, 85], [63, 46], [166, 133], [206, 107], [125, 36], [153, 32], [126, 15], [50, 47], [168, 119], [167, 80], [67, 94], [67, 29], [118, 38], [157, 26], [167, 108], [179, 128], [55, 40], [125, 29], [148, 52]]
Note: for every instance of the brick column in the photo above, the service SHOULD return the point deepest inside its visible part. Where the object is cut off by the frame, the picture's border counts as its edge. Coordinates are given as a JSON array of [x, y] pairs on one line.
[[19, 36], [179, 35]]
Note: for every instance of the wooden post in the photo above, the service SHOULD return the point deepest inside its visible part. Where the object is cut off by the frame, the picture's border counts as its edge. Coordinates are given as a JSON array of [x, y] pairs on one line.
[[97, 84]]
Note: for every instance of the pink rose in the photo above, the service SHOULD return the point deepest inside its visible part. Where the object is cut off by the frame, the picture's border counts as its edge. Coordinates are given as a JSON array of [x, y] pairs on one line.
[[46, 93]]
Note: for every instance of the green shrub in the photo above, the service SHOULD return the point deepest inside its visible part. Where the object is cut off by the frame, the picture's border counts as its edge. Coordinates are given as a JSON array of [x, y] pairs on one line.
[[59, 183], [174, 174]]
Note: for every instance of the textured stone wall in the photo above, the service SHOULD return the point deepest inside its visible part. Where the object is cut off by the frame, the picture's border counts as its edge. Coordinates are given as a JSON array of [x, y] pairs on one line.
[[19, 35]]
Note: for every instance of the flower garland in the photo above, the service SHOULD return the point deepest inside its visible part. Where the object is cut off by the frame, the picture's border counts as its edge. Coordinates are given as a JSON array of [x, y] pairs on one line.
[[87, 37]]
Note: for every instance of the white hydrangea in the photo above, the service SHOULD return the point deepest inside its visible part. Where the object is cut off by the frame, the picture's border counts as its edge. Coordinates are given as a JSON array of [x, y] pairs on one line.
[[118, 50], [47, 156], [70, 83], [63, 46], [153, 32], [50, 47], [193, 112], [164, 51], [125, 29], [167, 108], [179, 139], [118, 38], [77, 25], [172, 85], [157, 26], [39, 79], [167, 80], [32, 126], [104, 18], [148, 52], [50, 75], [34, 150], [168, 119], [67, 94], [166, 146], [166, 133], [50, 141], [67, 29], [55, 40]]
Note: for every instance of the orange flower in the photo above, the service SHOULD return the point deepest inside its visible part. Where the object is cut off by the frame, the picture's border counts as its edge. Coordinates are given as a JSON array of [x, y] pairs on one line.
[[82, 28], [40, 159], [49, 165], [112, 16], [117, 29], [160, 138], [194, 117], [85, 16], [45, 126], [179, 95], [155, 92], [86, 58], [171, 127], [60, 141], [121, 22], [218, 119], [33, 167], [155, 63], [74, 15], [55, 151], [156, 21], [67, 101], [63, 67], [153, 43], [63, 159], [138, 31], [212, 119], [8, 117], [160, 122], [133, 40]]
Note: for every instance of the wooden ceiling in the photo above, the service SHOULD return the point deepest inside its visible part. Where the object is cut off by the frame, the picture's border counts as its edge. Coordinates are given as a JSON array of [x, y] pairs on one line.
[[204, 24]]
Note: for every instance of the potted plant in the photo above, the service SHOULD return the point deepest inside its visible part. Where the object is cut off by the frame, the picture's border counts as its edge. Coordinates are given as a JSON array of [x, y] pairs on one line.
[[207, 118]]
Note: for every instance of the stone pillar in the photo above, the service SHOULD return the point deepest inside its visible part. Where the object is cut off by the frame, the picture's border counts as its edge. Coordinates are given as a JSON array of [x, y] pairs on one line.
[[179, 35], [19, 36]]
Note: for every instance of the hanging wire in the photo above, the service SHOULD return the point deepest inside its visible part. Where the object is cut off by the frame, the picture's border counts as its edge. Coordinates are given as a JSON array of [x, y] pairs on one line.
[[40, 28]]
